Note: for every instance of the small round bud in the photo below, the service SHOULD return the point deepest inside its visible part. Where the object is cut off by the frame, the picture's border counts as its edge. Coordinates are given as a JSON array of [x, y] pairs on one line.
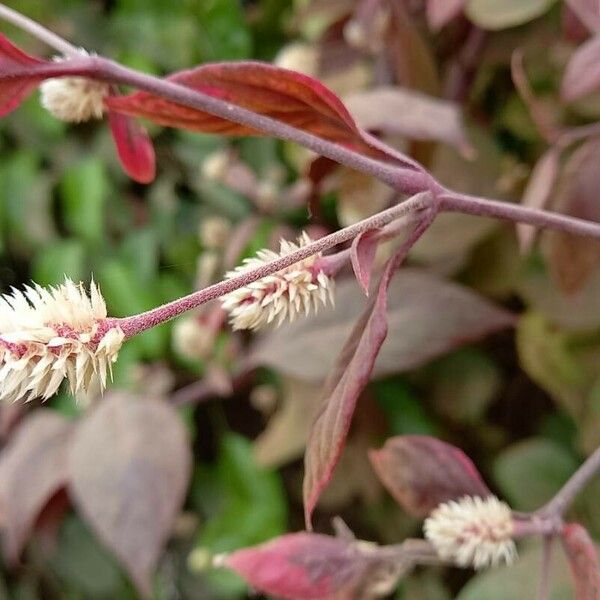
[[300, 57], [214, 232], [215, 165]]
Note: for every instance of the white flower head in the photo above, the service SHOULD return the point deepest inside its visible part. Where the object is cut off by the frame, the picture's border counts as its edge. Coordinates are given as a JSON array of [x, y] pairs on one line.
[[473, 532], [282, 295], [47, 335], [74, 99]]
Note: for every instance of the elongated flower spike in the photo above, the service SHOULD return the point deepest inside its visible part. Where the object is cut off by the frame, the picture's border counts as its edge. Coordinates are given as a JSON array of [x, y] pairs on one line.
[[47, 335], [473, 532], [284, 294]]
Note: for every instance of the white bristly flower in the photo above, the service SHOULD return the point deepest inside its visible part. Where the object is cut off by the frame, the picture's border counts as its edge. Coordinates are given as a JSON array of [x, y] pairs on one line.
[[282, 295], [74, 99], [47, 335], [473, 532]]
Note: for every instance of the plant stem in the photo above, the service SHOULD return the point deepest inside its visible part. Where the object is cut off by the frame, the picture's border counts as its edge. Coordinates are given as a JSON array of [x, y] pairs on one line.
[[138, 323], [38, 31], [565, 497], [544, 589]]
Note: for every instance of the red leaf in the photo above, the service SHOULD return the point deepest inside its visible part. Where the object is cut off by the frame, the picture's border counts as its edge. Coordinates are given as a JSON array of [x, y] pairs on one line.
[[421, 472], [343, 386], [17, 80], [441, 12], [362, 254], [583, 560], [134, 147], [587, 12], [33, 468], [287, 96], [302, 566], [582, 75], [130, 464]]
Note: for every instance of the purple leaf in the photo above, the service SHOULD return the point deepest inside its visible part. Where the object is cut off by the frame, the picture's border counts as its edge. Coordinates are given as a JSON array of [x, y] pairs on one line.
[[583, 559], [582, 75], [33, 467], [421, 472], [130, 465], [348, 378], [362, 254], [409, 113], [441, 12], [297, 349], [303, 566], [540, 185]]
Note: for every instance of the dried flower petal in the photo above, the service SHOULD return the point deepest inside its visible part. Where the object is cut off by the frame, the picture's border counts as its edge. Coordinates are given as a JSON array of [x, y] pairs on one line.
[[47, 335], [282, 295], [473, 531], [74, 99]]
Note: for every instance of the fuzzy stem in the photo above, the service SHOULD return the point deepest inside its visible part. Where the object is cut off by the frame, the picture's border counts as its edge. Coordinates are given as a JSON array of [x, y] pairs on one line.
[[565, 497], [38, 31], [137, 323]]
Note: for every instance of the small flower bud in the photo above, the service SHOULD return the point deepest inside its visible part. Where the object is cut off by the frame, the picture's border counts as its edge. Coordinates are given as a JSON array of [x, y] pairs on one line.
[[214, 167], [300, 57], [284, 294], [214, 232], [47, 335], [74, 99], [473, 532], [192, 339]]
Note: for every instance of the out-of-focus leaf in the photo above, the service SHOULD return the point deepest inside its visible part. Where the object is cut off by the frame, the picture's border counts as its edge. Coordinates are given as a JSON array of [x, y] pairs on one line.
[[415, 338], [359, 195], [130, 489], [134, 148], [84, 565], [491, 14], [64, 257], [285, 436], [33, 467], [544, 465], [305, 565], [411, 114], [288, 96], [582, 555], [363, 249], [582, 74], [573, 258], [588, 12], [421, 472], [83, 189], [140, 249], [537, 193], [441, 12], [349, 376], [520, 580]]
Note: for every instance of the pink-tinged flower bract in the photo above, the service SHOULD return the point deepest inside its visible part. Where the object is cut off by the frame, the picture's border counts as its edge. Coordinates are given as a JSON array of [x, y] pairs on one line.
[[472, 532], [282, 295], [47, 335]]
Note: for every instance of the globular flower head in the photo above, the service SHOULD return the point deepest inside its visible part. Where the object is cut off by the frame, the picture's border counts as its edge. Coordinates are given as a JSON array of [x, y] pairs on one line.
[[47, 335], [74, 99], [282, 295], [473, 532]]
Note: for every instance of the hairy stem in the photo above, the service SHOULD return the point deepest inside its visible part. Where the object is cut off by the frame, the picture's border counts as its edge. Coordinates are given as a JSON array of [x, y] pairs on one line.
[[138, 323], [565, 497], [38, 31]]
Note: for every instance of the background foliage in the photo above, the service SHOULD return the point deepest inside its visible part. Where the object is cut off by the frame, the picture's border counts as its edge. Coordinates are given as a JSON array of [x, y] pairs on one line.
[[523, 403]]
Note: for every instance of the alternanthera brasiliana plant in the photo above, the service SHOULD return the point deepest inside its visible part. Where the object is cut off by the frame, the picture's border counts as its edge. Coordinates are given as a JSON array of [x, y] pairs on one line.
[[47, 335]]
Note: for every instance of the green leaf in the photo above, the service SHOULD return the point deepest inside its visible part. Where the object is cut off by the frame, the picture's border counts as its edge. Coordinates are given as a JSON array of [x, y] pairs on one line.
[[65, 257], [500, 14], [83, 192], [529, 473]]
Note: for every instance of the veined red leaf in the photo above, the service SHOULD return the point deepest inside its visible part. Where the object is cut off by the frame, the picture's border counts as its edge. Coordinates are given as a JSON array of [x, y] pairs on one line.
[[287, 96], [362, 255], [302, 566], [134, 147], [421, 472], [583, 559], [33, 468], [582, 75], [17, 78], [348, 378], [441, 12]]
